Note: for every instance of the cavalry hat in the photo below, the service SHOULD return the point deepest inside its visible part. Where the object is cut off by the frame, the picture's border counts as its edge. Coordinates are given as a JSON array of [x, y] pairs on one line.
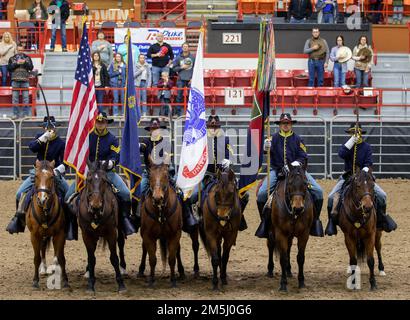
[[285, 117], [213, 122], [103, 116], [352, 128], [343, 54], [155, 124], [52, 121]]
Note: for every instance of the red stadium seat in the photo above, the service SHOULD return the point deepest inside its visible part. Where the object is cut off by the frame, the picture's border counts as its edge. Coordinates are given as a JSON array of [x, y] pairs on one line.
[[326, 98], [368, 101], [345, 100], [284, 97], [300, 78], [350, 78], [219, 96], [247, 6], [266, 6], [328, 79], [208, 78], [175, 5], [243, 78], [154, 6], [283, 78], [306, 97], [209, 96], [223, 78], [248, 93]]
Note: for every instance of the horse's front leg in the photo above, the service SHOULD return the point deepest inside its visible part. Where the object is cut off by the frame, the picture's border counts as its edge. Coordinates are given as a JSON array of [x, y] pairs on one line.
[[369, 245], [351, 248], [181, 269], [282, 243], [378, 245], [173, 246], [43, 264], [151, 246], [302, 242], [228, 243], [112, 243], [288, 267], [90, 244], [141, 269], [213, 249], [36, 242], [195, 248], [271, 246], [58, 244], [121, 244]]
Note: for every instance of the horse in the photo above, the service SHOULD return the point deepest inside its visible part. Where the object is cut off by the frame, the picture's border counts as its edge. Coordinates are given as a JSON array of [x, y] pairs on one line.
[[221, 212], [291, 216], [357, 219], [98, 218], [161, 219], [46, 221]]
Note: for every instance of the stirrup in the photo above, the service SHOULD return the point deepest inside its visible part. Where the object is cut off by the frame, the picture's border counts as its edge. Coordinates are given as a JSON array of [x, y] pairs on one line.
[[70, 199]]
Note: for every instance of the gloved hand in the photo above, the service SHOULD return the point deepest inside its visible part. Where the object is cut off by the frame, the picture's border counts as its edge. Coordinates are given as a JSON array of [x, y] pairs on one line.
[[59, 170], [225, 164], [351, 142], [267, 144], [295, 164], [108, 163], [365, 169], [286, 168], [46, 136]]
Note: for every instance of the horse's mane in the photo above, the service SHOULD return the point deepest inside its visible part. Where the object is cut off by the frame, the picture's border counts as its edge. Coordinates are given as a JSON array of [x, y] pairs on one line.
[[45, 165]]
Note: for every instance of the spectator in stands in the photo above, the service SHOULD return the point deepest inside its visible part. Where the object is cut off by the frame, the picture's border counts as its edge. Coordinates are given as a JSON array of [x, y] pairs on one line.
[[318, 51], [363, 55], [8, 48], [161, 55], [38, 11], [117, 72], [143, 79], [101, 79], [3, 9], [376, 7], [326, 11], [299, 11], [123, 48], [164, 94], [398, 11], [103, 47], [184, 66], [20, 66], [64, 14], [340, 55]]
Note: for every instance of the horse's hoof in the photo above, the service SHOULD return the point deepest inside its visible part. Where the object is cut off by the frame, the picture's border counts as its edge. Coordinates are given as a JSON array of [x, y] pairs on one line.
[[140, 274], [224, 281], [215, 288], [91, 290], [269, 274], [373, 287], [66, 286], [123, 271], [382, 273], [122, 289], [289, 274], [86, 275], [283, 289], [302, 285], [196, 275], [151, 284], [36, 285], [173, 284], [181, 277]]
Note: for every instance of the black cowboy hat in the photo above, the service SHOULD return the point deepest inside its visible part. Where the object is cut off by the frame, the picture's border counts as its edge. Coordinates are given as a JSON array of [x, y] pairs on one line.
[[285, 117], [52, 121], [353, 127], [103, 116], [213, 122], [155, 121]]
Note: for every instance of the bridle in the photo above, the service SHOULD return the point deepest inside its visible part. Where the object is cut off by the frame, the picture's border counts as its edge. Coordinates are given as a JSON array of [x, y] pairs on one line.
[[289, 195]]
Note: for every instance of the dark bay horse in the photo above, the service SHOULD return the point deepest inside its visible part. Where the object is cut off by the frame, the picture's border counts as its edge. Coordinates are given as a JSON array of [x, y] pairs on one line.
[[98, 218], [221, 211], [292, 216], [45, 220], [357, 219], [161, 219]]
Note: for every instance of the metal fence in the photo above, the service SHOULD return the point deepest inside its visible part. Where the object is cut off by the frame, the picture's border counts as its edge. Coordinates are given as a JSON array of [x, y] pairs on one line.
[[8, 140]]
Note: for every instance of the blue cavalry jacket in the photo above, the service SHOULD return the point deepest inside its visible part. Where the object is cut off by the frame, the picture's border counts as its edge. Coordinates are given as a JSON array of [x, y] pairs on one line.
[[219, 149], [149, 147], [104, 147], [295, 150], [363, 156], [51, 150]]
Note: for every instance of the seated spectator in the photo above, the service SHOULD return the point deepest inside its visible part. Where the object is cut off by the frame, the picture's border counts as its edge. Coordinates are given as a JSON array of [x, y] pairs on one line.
[[8, 49], [117, 72], [38, 11], [398, 11], [326, 11], [64, 14], [164, 95], [103, 47], [143, 79], [340, 55], [123, 48], [299, 11], [363, 55], [318, 51], [20, 66], [162, 55], [101, 79]]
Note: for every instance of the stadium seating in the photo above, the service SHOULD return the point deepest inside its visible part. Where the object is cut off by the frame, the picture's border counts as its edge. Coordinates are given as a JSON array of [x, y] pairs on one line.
[[208, 78], [300, 78], [266, 6], [284, 78], [223, 78], [243, 78]]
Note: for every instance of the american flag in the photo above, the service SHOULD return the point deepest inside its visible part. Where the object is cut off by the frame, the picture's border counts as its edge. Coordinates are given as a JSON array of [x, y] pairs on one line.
[[83, 112]]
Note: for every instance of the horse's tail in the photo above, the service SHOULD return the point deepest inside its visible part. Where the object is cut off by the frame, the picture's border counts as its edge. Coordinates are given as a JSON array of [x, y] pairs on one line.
[[46, 243], [361, 250], [202, 235], [164, 252]]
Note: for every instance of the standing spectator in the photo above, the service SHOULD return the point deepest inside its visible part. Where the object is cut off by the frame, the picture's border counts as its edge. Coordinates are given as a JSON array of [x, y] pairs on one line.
[[117, 72], [143, 78], [3, 9], [164, 94], [101, 79], [38, 11], [184, 66], [376, 8], [103, 47], [398, 11], [123, 48], [64, 14], [340, 55], [326, 11], [363, 55], [299, 11], [20, 66], [318, 51], [8, 48], [161, 55]]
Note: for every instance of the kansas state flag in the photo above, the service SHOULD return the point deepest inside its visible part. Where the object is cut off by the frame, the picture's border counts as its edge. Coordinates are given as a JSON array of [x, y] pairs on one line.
[[130, 160]]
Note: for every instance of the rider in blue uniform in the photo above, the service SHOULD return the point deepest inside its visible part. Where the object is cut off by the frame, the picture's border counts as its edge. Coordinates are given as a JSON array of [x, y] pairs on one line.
[[48, 146], [285, 144], [363, 162], [104, 147]]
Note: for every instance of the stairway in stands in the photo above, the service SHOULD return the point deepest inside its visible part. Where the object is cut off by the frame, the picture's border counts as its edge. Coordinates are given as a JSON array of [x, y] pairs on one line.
[[58, 72], [211, 8]]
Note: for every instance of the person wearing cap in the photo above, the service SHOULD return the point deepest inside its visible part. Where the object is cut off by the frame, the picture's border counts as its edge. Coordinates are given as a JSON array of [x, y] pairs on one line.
[[340, 55], [286, 149], [104, 147], [364, 162], [48, 146]]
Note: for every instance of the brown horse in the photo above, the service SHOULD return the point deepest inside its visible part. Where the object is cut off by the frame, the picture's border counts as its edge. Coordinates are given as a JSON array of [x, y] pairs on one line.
[[221, 218], [357, 219], [98, 218], [161, 219], [292, 216], [45, 219]]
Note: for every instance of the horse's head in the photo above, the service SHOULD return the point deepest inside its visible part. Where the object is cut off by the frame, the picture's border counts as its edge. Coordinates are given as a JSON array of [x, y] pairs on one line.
[[363, 188], [225, 192], [96, 184], [297, 188], [44, 182], [159, 181]]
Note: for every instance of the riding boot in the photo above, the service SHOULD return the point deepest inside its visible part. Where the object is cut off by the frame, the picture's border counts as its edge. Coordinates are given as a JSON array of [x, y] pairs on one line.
[[263, 229], [125, 208], [71, 223], [317, 228], [135, 215], [18, 222], [384, 221], [331, 228], [189, 221], [244, 201]]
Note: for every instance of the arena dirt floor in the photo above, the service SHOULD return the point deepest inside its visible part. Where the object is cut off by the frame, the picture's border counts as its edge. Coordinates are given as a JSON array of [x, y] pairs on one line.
[[325, 267]]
